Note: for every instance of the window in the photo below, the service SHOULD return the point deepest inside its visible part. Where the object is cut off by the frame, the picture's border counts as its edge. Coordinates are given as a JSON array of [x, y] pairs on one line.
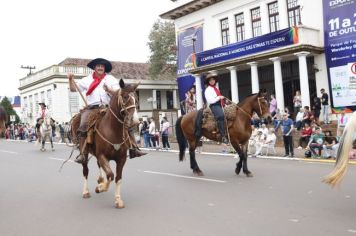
[[36, 103], [240, 27], [138, 99], [42, 96], [256, 22], [225, 35], [293, 12], [49, 98], [169, 96], [158, 99], [73, 102], [273, 16], [30, 98]]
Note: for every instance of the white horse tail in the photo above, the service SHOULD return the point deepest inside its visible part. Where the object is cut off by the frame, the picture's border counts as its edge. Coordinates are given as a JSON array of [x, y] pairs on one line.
[[342, 156]]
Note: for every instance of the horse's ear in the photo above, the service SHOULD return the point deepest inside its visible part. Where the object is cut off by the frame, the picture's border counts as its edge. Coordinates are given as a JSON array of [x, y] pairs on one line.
[[122, 83], [262, 92]]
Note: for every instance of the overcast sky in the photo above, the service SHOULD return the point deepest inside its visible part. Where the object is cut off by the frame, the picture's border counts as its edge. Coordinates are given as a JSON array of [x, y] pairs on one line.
[[42, 33]]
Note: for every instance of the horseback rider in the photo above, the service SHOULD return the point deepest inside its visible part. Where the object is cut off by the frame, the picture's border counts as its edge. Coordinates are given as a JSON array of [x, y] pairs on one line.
[[44, 111], [100, 87], [216, 103]]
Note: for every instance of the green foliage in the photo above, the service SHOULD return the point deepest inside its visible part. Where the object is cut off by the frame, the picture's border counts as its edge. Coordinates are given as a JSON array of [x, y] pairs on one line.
[[6, 104], [162, 44]]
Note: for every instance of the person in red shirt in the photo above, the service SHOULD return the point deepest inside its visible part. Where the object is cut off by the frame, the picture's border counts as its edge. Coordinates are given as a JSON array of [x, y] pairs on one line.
[[305, 135]]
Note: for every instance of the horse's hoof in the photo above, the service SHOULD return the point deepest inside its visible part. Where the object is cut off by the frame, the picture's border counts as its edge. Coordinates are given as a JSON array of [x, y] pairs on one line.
[[100, 180], [119, 204], [42, 149], [97, 190], [53, 150], [237, 171], [86, 195], [249, 174], [198, 173]]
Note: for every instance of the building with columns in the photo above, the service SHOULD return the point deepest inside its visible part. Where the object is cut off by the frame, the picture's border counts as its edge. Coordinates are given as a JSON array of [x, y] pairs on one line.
[[50, 85], [242, 42]]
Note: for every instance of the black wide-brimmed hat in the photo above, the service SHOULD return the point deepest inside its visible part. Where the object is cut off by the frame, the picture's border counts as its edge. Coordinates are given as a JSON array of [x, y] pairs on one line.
[[209, 76], [42, 103], [100, 61]]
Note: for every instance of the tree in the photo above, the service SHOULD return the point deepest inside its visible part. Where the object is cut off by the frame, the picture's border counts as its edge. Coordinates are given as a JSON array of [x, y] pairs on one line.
[[162, 44], [6, 104]]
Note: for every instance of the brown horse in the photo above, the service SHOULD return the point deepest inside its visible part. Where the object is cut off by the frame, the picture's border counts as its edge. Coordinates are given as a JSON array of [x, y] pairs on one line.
[[239, 131], [112, 140], [3, 120]]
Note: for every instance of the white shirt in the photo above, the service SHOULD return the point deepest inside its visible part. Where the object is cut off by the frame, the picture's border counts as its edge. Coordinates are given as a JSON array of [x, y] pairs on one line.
[[299, 116], [98, 96], [271, 139], [47, 113], [165, 126], [152, 128], [210, 95]]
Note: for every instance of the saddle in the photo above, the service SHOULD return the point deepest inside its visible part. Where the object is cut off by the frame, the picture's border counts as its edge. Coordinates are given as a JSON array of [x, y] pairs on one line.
[[94, 117], [206, 120]]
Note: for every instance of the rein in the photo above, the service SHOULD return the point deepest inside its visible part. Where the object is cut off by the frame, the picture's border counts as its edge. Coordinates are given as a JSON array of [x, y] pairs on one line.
[[245, 112], [117, 146]]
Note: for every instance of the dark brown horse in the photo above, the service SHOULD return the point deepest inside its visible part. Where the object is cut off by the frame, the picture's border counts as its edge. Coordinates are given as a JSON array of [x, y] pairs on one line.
[[112, 140], [239, 131], [3, 120]]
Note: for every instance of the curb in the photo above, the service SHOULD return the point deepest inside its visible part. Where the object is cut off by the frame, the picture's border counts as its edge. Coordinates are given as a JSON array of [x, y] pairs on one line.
[[352, 162]]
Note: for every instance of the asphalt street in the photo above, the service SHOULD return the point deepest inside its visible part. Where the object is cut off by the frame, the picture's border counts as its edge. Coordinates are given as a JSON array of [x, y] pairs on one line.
[[163, 197]]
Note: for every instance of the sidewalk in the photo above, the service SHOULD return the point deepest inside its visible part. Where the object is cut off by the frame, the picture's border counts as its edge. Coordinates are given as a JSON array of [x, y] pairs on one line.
[[218, 149]]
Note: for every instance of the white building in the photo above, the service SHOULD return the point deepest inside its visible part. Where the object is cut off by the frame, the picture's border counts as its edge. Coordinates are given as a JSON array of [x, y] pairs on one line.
[[50, 85], [282, 70]]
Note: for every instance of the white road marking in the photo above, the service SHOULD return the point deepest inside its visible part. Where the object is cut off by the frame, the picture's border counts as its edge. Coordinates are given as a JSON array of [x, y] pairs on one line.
[[183, 176], [351, 231], [58, 159], [10, 152]]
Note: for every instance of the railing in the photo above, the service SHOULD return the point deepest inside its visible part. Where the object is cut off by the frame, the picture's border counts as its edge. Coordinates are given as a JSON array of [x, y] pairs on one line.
[[54, 70], [309, 36]]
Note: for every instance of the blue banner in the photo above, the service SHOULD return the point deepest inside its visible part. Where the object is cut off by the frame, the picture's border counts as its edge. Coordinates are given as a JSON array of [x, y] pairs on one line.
[[189, 41], [340, 51], [258, 44]]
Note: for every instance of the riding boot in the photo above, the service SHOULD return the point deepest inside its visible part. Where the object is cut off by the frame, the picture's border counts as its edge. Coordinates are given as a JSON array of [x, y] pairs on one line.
[[221, 127], [135, 153], [83, 149]]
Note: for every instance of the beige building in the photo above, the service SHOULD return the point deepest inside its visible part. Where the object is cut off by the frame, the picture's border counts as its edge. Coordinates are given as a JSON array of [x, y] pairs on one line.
[[50, 85]]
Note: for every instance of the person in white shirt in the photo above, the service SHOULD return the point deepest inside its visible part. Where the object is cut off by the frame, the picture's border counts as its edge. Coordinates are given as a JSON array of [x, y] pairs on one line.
[[152, 131], [44, 112], [216, 102], [164, 133], [99, 87]]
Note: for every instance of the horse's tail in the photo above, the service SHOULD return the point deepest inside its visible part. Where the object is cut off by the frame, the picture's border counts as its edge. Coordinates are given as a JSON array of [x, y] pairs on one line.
[[342, 156], [180, 138]]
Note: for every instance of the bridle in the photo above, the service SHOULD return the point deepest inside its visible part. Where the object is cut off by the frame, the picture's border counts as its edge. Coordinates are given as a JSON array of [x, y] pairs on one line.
[[124, 110], [259, 106]]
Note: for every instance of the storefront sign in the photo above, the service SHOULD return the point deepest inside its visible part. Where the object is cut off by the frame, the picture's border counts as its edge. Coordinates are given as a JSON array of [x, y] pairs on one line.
[[250, 46]]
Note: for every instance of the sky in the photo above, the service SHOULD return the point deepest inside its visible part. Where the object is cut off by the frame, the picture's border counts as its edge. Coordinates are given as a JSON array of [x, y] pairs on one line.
[[42, 33]]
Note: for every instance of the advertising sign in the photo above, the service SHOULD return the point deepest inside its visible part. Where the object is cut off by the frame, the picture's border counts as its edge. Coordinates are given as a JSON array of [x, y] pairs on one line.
[[258, 44], [340, 51], [189, 41]]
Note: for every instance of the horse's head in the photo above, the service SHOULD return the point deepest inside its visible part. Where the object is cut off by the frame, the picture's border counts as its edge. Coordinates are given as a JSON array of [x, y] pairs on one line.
[[261, 106], [124, 103]]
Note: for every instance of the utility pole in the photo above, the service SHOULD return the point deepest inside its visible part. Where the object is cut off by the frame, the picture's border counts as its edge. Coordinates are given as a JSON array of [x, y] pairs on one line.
[[29, 68]]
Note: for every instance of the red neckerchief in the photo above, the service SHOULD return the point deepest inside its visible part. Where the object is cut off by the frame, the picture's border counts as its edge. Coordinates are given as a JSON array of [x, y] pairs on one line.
[[222, 102], [43, 113], [95, 83]]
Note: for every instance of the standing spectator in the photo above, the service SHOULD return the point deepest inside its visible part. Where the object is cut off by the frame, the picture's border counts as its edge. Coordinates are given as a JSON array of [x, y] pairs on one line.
[[190, 100], [146, 135], [299, 119], [341, 121], [287, 129], [316, 109], [272, 105], [297, 102], [140, 131], [277, 120], [152, 132], [67, 132], [61, 132], [164, 133], [286, 110], [305, 135], [325, 106], [316, 142]]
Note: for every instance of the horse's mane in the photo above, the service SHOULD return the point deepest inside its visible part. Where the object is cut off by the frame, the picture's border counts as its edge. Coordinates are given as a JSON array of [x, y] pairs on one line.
[[243, 101]]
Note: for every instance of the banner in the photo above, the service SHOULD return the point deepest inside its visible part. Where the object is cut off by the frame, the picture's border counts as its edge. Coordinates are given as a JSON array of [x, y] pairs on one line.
[[340, 51], [189, 41], [258, 44]]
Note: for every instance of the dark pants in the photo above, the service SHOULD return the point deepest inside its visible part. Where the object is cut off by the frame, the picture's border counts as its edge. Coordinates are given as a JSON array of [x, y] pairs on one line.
[[304, 139], [165, 142], [316, 146], [288, 144], [219, 116]]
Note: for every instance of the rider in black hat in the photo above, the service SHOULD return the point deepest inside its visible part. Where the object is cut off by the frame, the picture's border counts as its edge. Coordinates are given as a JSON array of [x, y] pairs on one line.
[[216, 103], [99, 87]]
